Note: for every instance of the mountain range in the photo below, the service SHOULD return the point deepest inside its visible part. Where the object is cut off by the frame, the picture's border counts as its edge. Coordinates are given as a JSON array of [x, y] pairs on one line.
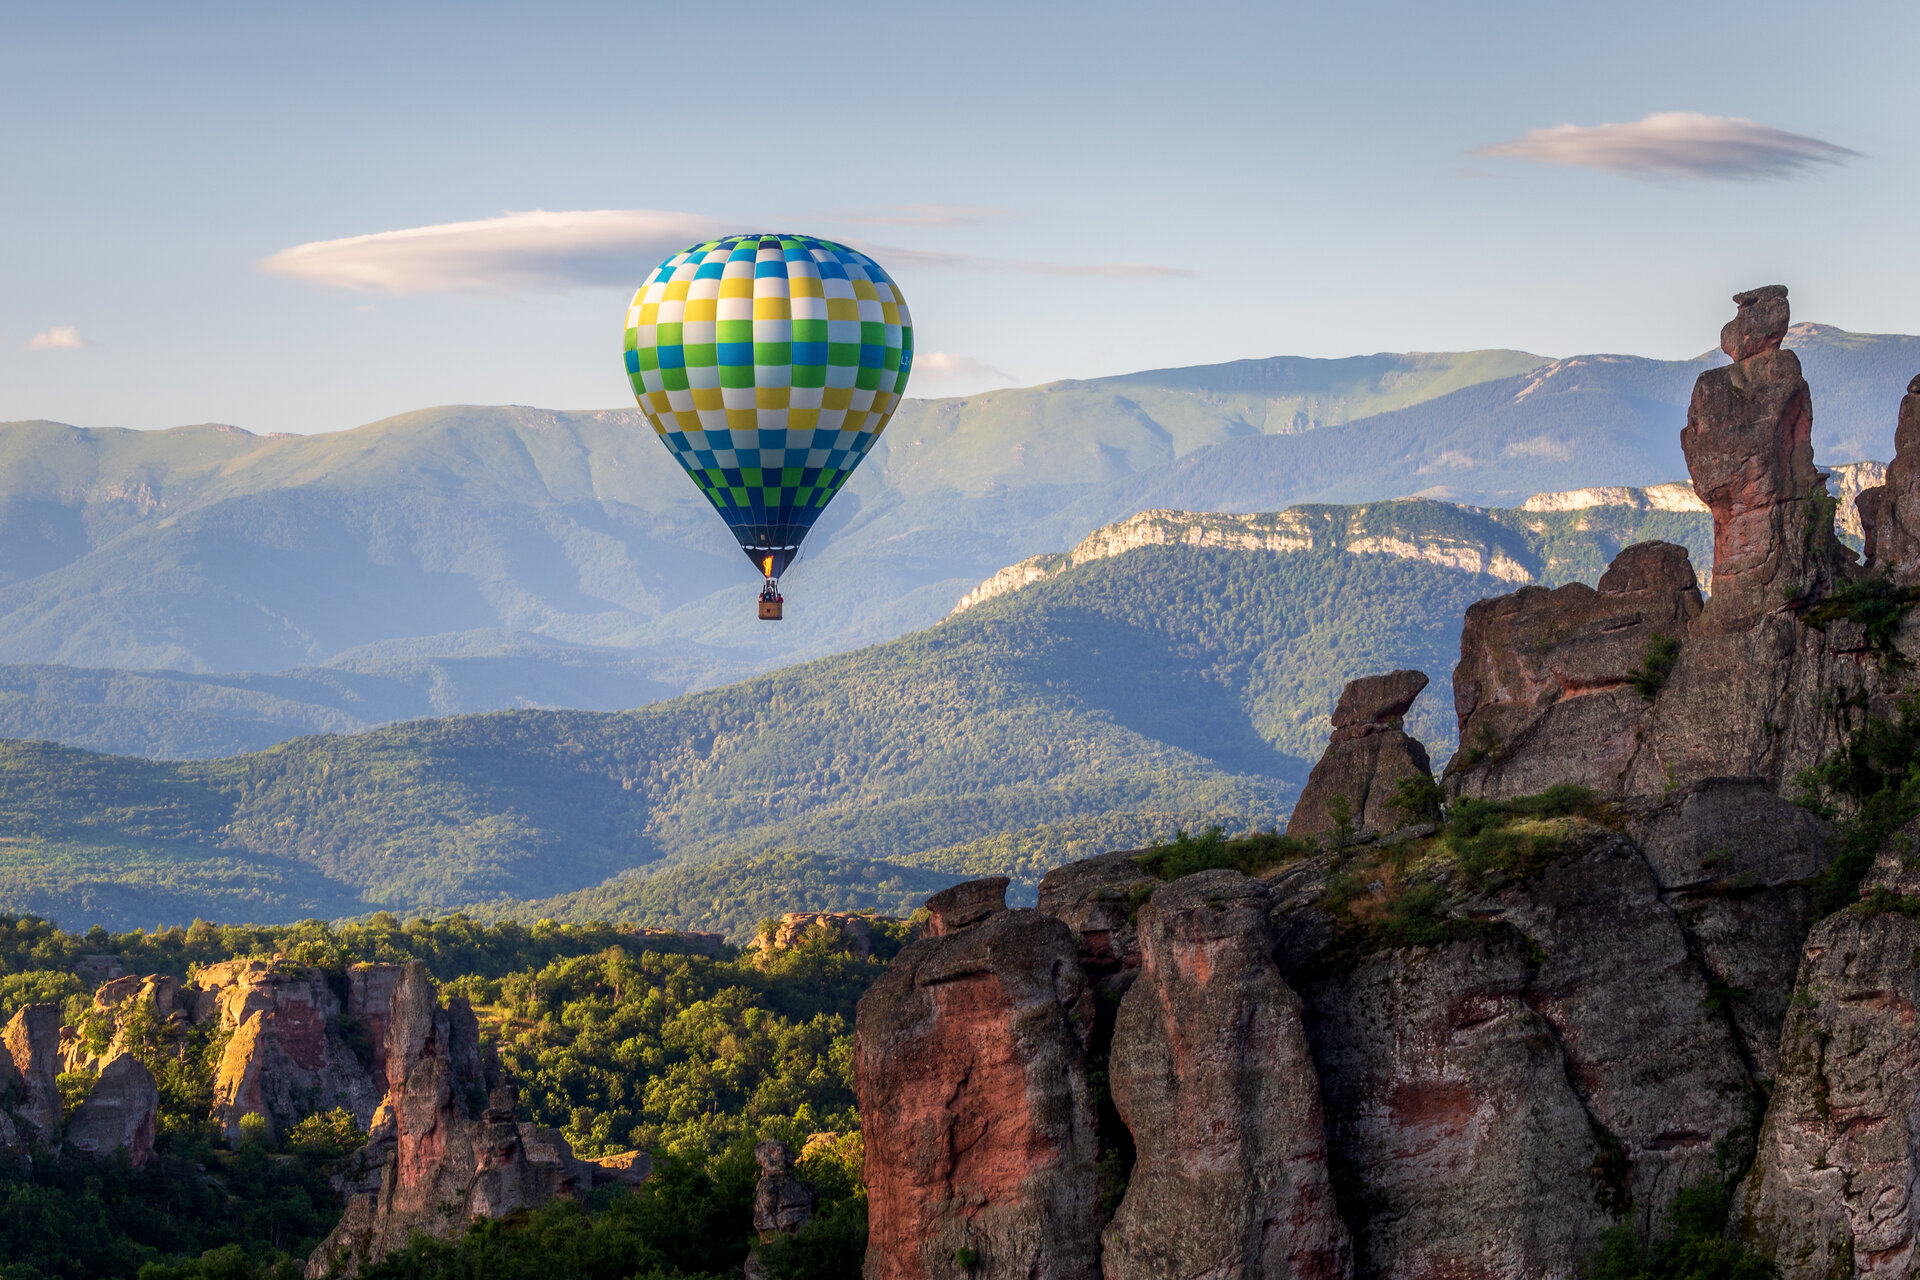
[[570, 540]]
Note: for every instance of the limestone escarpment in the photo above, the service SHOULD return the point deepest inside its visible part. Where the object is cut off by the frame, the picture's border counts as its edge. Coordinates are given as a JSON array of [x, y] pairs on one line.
[[1597, 982]]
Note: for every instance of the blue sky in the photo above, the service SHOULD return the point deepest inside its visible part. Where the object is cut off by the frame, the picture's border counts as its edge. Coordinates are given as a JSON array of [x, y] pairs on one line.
[[1062, 190]]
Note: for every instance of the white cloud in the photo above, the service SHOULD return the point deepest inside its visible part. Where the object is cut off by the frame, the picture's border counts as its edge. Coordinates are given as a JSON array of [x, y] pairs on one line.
[[62, 337], [1676, 144], [967, 262], [514, 253], [542, 251], [949, 366]]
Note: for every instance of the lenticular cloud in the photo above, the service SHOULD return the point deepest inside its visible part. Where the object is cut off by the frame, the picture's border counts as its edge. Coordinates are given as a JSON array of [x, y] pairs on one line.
[[514, 253], [1677, 144]]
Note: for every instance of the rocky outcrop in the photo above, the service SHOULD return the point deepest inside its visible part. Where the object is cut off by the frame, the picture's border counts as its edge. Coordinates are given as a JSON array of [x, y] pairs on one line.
[[1545, 690], [1749, 447], [286, 1058], [854, 932], [1210, 1073], [1367, 757], [1658, 497], [32, 1040], [1892, 511], [1833, 1190], [782, 1203], [121, 1113], [437, 1159], [1543, 1019], [971, 1070]]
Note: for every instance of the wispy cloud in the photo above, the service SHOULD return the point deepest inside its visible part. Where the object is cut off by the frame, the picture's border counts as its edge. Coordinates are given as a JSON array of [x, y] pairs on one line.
[[1677, 144], [543, 252], [62, 337], [950, 366], [513, 253], [968, 262], [917, 215]]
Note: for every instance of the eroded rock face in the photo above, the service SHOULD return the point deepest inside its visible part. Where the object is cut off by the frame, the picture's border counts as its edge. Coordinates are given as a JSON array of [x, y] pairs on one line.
[[1210, 1071], [122, 1112], [1543, 689], [1833, 1190], [286, 1058], [971, 1067], [32, 1040], [431, 1164], [1735, 862], [1749, 447], [1894, 543], [1366, 757], [1451, 1109]]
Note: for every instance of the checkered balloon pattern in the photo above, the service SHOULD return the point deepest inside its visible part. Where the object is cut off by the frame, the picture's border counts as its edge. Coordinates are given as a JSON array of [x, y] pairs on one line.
[[769, 364]]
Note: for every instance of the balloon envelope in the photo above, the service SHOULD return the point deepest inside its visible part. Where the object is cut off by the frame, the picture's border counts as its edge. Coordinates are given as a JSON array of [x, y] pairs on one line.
[[769, 364]]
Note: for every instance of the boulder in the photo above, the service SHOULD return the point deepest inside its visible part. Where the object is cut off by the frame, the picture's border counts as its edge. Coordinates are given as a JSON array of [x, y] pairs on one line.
[[1097, 899], [966, 904], [121, 1113], [1366, 757], [971, 1069], [782, 1203], [32, 1040], [1749, 448], [1211, 1074], [1544, 688], [1893, 540]]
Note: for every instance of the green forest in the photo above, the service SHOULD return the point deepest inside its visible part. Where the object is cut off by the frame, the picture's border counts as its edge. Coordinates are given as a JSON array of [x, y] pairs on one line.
[[621, 1039]]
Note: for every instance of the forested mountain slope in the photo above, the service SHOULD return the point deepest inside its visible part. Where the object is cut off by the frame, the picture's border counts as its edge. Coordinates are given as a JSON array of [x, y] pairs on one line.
[[1163, 686]]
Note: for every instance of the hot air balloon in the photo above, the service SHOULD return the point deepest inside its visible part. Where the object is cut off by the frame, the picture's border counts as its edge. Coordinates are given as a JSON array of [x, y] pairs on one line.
[[768, 365]]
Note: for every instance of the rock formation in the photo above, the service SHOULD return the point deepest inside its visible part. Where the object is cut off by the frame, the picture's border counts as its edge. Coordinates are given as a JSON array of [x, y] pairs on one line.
[[1749, 446], [854, 931], [1211, 1074], [286, 1058], [1497, 1039], [1096, 899], [32, 1040], [437, 1159], [1891, 512], [121, 1113], [782, 1203], [971, 1068], [1834, 1189], [1367, 757], [1544, 690]]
